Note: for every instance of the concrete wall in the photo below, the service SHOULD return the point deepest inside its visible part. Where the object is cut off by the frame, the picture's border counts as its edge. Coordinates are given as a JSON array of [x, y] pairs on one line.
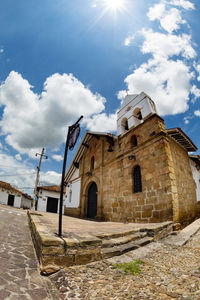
[[4, 197], [72, 196], [17, 200], [25, 203], [196, 176], [43, 198]]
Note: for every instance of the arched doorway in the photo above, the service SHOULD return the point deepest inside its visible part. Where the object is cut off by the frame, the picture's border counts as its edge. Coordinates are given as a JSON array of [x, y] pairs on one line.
[[92, 201]]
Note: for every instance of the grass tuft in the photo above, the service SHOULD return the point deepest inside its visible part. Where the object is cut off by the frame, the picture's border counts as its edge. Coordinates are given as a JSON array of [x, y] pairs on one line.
[[130, 268]]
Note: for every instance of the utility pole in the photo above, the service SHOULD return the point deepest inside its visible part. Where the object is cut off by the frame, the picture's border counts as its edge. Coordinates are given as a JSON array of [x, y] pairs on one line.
[[37, 176]]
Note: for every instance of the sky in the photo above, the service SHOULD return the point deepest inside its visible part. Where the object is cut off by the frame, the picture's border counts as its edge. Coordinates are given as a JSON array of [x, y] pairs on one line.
[[66, 58]]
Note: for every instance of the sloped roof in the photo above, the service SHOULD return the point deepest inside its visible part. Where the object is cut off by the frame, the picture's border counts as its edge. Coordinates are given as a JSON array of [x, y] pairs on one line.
[[81, 150], [195, 158], [180, 137], [53, 188], [9, 187]]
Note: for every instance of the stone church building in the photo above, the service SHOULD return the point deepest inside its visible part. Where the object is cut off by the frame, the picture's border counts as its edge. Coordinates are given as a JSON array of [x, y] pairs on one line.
[[142, 174]]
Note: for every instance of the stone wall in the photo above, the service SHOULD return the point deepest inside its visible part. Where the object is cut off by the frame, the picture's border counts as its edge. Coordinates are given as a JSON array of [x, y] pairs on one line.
[[168, 188], [183, 185], [154, 203], [54, 252], [113, 175]]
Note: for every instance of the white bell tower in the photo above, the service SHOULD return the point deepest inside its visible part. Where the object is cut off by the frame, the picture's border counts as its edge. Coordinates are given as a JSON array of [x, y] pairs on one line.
[[133, 111]]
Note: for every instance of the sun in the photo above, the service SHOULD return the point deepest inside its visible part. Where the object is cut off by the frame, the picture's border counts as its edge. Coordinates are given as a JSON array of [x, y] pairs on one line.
[[114, 5]]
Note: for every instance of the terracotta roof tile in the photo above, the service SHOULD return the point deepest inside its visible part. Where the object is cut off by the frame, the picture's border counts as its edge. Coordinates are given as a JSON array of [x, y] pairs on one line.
[[9, 187]]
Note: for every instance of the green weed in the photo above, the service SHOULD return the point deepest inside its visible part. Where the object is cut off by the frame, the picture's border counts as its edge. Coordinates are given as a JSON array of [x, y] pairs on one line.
[[130, 268]]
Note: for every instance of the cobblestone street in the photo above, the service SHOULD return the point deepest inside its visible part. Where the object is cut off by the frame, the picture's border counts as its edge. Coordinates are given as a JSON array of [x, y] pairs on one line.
[[167, 273], [19, 272]]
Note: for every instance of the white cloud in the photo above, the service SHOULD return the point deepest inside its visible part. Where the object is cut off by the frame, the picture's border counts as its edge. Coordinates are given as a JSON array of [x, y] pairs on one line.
[[167, 76], [102, 123], [197, 113], [167, 45], [18, 157], [195, 91], [183, 3], [170, 19], [186, 121], [166, 81], [50, 178], [1, 50], [197, 67], [129, 39], [22, 175], [31, 121], [57, 157]]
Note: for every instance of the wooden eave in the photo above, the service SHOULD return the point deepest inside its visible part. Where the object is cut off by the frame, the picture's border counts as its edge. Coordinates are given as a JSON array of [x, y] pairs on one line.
[[182, 139]]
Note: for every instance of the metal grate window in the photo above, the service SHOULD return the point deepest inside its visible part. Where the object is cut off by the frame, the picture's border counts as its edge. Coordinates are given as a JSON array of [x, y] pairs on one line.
[[92, 163], [137, 180], [134, 142]]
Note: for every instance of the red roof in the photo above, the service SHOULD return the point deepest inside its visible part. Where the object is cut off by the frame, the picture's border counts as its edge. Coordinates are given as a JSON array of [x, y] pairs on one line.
[[9, 187]]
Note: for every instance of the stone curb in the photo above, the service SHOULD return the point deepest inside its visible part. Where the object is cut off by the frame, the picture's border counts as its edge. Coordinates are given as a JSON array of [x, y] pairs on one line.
[[182, 238], [55, 253]]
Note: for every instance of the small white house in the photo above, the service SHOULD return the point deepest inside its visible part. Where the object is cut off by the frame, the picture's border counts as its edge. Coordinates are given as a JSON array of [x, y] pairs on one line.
[[11, 196], [49, 198], [195, 165]]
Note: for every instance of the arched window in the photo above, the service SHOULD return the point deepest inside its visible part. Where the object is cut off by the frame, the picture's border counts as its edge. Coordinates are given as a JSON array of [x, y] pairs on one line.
[[137, 114], [92, 163], [137, 180], [125, 124], [134, 142]]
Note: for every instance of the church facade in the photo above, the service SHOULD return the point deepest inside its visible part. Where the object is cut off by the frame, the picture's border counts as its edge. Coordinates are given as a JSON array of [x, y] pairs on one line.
[[142, 174]]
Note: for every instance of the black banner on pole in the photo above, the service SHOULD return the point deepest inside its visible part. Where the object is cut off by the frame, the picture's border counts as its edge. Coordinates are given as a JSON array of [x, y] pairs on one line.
[[72, 136]]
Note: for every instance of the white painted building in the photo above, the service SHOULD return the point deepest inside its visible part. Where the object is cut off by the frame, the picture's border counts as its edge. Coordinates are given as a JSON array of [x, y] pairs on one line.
[[49, 199], [11, 196], [133, 111], [195, 165]]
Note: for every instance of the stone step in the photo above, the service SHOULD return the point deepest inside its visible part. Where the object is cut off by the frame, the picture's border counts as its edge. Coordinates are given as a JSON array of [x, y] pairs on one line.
[[120, 249], [122, 240], [112, 235]]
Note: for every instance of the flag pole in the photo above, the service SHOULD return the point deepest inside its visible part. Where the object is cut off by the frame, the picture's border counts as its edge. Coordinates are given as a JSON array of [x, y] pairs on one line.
[[70, 130]]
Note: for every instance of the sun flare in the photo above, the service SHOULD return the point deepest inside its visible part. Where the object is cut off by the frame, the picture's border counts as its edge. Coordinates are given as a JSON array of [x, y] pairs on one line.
[[114, 5]]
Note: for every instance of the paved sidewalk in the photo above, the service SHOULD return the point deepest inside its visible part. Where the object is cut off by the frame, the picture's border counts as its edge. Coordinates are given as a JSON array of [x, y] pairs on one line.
[[19, 270], [168, 272], [75, 225]]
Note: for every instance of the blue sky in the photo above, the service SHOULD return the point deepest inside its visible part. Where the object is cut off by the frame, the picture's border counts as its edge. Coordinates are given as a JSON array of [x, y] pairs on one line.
[[60, 59]]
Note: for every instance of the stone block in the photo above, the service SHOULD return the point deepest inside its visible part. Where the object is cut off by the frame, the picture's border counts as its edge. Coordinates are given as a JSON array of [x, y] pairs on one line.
[[147, 214], [51, 250], [70, 242], [64, 261], [85, 257], [50, 240], [147, 208]]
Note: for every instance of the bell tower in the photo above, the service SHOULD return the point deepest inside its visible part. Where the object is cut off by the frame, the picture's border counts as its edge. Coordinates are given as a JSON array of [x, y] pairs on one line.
[[133, 110]]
